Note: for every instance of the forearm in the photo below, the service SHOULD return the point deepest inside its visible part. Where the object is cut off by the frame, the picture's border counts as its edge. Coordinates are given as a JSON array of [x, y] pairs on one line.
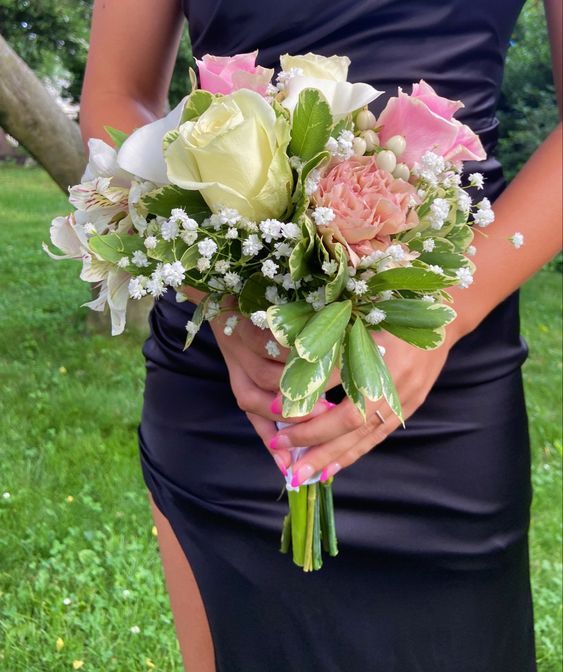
[[531, 205]]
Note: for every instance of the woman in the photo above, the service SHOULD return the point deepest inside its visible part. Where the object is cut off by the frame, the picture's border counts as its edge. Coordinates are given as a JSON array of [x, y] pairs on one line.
[[433, 569]]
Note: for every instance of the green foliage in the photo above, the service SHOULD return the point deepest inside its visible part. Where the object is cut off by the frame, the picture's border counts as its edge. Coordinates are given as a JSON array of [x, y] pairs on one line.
[[527, 108], [312, 122]]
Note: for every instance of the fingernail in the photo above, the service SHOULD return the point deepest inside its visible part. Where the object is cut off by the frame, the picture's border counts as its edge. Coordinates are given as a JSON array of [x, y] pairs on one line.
[[279, 442], [328, 403], [330, 470], [281, 465], [301, 475], [276, 406]]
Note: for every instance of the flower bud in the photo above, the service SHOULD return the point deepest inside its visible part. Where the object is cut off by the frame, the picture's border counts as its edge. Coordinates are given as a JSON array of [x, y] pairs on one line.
[[359, 145], [365, 120], [371, 138], [402, 172], [397, 144], [386, 160]]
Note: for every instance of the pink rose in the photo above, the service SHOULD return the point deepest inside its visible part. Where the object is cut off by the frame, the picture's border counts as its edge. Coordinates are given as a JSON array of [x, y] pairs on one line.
[[225, 74], [369, 205], [426, 121]]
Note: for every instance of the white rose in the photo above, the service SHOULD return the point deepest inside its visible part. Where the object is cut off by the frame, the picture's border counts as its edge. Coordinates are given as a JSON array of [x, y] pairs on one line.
[[320, 67]]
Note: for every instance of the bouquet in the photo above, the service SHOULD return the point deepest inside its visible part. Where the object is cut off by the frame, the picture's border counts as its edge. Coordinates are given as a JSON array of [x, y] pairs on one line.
[[325, 223]]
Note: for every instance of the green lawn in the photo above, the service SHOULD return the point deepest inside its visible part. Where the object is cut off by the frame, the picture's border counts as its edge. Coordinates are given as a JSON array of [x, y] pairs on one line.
[[78, 560]]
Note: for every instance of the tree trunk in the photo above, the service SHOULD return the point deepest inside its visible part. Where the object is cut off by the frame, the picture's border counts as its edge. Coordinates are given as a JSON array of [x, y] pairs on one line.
[[30, 115]]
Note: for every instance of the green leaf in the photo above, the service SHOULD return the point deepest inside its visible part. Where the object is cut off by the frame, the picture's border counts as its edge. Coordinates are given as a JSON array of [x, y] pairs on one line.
[[449, 261], [301, 379], [425, 339], [300, 407], [363, 360], [440, 244], [311, 126], [345, 124], [162, 252], [117, 137], [298, 260], [413, 278], [253, 294], [287, 320], [323, 330], [388, 386], [197, 318], [190, 257], [461, 237], [348, 383], [337, 284], [416, 313], [163, 200], [112, 246], [197, 103]]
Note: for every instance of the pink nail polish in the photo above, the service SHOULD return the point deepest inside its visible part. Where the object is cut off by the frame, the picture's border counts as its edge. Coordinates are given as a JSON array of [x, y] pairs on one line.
[[281, 465], [273, 443], [301, 475], [328, 403], [329, 471], [279, 442], [276, 406]]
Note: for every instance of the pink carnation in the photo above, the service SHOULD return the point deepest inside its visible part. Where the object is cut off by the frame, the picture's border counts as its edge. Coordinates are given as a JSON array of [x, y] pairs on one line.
[[225, 74], [426, 121], [369, 205]]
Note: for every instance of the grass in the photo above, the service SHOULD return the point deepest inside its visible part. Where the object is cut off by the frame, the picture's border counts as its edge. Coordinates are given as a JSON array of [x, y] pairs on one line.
[[79, 565]]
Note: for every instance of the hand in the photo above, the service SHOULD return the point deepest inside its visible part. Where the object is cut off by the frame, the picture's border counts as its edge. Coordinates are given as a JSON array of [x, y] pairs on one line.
[[255, 378], [341, 436]]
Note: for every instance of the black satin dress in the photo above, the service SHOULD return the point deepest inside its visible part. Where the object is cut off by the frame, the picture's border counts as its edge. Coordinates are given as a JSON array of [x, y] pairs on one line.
[[432, 574]]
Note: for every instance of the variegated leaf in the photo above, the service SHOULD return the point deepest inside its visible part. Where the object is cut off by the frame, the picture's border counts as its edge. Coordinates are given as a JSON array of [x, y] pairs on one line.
[[323, 330]]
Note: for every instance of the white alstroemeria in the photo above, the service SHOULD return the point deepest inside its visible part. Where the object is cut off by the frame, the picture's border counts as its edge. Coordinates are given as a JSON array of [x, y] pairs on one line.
[[342, 97], [102, 162], [142, 154], [98, 202], [137, 211], [113, 290]]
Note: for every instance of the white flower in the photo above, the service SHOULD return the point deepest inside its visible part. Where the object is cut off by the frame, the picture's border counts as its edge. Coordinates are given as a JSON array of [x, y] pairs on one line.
[[6, 495], [169, 229], [330, 267], [214, 222], [360, 287], [126, 593], [342, 147], [123, 262], [271, 294], [471, 251], [289, 283], [271, 229], [430, 168], [282, 250], [464, 276], [230, 325], [396, 252], [375, 316], [229, 216], [232, 233], [386, 295], [140, 259], [137, 287], [203, 264], [317, 298], [181, 218], [517, 239], [135, 630], [295, 162], [269, 268], [290, 230], [272, 349], [428, 298], [233, 281], [382, 350], [90, 229], [312, 181], [192, 328], [207, 247], [285, 76], [213, 309], [451, 180], [259, 319], [151, 242], [222, 266], [323, 216], [484, 215], [428, 245], [476, 180], [251, 246], [439, 210], [434, 268], [189, 237], [67, 601], [464, 201], [173, 274], [155, 286]]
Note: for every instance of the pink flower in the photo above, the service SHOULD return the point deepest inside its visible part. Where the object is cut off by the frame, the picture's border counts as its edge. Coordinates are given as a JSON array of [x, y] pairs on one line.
[[369, 205], [426, 121], [225, 74]]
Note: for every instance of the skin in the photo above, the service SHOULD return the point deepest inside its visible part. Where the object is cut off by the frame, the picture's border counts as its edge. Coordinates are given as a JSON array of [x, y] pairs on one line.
[[129, 69]]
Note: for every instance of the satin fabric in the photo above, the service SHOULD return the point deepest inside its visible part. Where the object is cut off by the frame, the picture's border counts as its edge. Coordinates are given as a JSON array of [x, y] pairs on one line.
[[433, 573]]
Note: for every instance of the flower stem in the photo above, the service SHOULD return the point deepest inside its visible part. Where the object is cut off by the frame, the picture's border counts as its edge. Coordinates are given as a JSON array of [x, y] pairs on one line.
[[328, 506]]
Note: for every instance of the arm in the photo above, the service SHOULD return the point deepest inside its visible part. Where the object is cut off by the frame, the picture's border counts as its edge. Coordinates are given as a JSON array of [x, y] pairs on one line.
[[531, 204]]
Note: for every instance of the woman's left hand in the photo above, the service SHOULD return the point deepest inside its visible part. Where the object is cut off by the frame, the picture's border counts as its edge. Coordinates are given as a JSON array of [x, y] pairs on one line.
[[340, 436]]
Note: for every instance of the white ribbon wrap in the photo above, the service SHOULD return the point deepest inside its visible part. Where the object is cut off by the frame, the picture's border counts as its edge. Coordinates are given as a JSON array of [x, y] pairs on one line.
[[296, 454]]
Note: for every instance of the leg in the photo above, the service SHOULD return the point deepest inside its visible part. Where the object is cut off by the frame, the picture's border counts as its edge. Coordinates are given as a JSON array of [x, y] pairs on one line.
[[192, 628]]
